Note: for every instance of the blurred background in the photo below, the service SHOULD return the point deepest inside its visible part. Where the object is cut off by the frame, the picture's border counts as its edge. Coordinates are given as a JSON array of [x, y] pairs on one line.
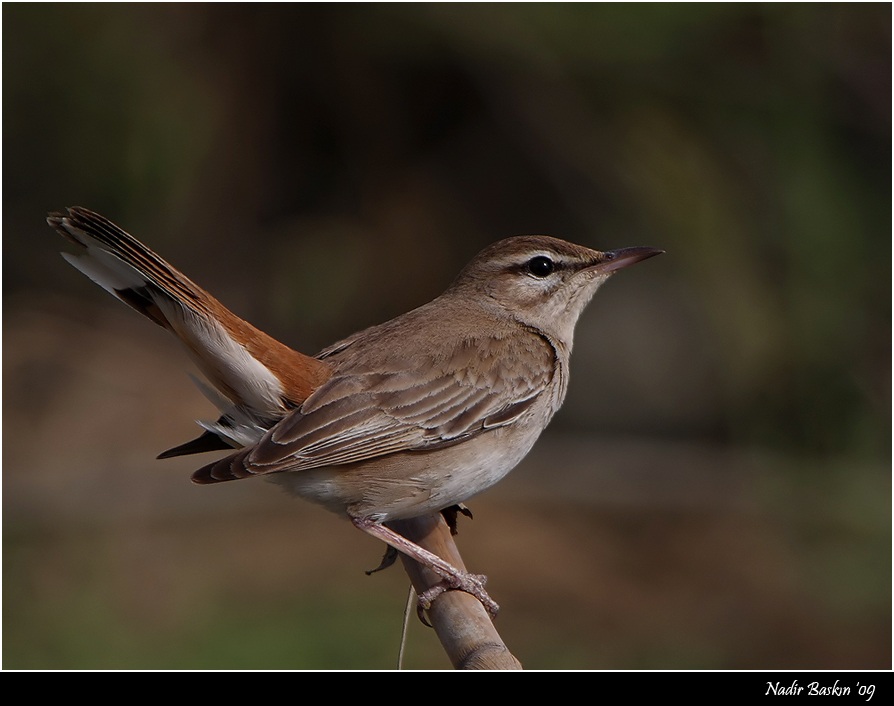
[[716, 491]]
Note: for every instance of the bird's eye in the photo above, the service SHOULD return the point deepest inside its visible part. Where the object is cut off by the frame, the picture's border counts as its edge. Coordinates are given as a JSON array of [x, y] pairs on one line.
[[540, 266]]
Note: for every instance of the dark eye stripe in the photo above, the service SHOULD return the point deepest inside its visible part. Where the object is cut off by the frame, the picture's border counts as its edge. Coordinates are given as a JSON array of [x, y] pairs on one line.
[[524, 267]]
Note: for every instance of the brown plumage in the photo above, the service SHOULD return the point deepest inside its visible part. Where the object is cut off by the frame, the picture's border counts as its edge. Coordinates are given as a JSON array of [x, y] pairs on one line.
[[398, 420]]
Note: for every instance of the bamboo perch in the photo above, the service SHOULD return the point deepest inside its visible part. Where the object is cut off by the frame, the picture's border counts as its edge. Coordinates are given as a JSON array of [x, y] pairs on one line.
[[462, 624]]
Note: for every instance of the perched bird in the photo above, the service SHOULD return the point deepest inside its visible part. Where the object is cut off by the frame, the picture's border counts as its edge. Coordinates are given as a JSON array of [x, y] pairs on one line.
[[397, 421]]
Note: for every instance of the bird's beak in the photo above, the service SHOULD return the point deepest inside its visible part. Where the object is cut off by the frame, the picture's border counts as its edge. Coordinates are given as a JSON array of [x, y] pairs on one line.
[[613, 260]]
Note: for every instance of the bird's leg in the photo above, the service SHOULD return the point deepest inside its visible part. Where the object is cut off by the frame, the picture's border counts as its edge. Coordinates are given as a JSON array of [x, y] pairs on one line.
[[452, 579]]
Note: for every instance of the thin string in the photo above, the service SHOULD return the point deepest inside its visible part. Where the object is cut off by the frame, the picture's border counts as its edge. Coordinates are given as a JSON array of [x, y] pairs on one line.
[[411, 597]]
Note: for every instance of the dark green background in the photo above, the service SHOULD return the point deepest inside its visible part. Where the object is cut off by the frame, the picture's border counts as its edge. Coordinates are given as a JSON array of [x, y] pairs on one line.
[[716, 492]]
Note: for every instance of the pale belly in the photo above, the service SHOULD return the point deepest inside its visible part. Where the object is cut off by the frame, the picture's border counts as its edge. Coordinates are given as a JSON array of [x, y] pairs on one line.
[[405, 485]]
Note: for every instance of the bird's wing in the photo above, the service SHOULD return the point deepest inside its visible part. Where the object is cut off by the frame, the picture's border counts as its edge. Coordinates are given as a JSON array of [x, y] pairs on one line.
[[357, 416]]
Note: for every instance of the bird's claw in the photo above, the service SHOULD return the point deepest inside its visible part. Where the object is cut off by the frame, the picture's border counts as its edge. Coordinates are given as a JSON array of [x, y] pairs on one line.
[[473, 584], [451, 513], [387, 560]]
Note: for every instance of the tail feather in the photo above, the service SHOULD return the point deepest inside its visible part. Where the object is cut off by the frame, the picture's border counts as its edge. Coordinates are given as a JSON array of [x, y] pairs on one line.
[[208, 441], [121, 264], [254, 371]]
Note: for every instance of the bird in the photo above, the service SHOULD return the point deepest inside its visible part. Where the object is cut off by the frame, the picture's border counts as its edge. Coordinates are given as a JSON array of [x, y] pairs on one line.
[[399, 420]]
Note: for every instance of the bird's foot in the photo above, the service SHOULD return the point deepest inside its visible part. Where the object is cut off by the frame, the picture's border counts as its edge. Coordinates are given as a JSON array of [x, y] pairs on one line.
[[473, 584], [451, 513], [387, 560], [452, 578]]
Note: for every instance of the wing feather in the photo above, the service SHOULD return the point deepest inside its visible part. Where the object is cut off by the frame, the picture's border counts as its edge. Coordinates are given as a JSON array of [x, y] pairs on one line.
[[359, 415]]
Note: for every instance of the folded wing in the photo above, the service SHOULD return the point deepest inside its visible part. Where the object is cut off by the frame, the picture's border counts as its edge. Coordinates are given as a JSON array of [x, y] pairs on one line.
[[362, 415]]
